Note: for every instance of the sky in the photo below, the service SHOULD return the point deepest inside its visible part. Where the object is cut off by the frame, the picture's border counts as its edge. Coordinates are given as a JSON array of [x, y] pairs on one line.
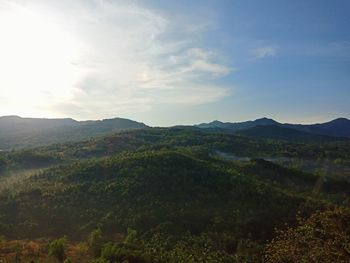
[[176, 62]]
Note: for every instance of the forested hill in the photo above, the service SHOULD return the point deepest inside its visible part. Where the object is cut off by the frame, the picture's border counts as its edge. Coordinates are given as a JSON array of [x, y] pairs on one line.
[[336, 128], [17, 132], [332, 157], [277, 132], [24, 133], [169, 195]]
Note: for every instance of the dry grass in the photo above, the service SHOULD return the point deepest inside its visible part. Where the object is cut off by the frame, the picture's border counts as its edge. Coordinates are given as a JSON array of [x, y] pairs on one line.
[[36, 251]]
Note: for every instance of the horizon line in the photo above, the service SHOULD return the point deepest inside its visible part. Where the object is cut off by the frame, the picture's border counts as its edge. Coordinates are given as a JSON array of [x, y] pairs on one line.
[[173, 125]]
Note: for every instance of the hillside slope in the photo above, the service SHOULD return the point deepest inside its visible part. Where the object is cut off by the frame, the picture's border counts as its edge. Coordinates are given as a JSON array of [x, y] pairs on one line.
[[160, 194], [336, 128], [17, 132], [164, 194], [287, 134]]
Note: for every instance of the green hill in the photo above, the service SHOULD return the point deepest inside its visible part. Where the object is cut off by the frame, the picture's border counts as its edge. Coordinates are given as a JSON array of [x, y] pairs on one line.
[[17, 132], [286, 134], [336, 128], [165, 194], [157, 193]]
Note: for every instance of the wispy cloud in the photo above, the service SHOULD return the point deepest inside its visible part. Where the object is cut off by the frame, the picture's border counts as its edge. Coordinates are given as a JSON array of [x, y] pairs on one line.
[[132, 58], [137, 63], [266, 51]]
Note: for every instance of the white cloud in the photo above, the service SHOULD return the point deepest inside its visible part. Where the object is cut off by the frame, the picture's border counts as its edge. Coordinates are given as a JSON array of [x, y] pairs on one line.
[[128, 59], [262, 52]]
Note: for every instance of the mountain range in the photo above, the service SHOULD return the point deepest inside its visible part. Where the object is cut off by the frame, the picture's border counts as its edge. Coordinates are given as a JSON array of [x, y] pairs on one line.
[[17, 132], [336, 128]]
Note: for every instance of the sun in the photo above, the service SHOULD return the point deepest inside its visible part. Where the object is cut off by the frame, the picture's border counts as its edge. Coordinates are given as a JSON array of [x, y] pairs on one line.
[[37, 60]]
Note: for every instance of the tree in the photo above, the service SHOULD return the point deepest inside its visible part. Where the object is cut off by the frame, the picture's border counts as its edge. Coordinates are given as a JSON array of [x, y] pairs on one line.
[[324, 237], [131, 236], [95, 241], [57, 248]]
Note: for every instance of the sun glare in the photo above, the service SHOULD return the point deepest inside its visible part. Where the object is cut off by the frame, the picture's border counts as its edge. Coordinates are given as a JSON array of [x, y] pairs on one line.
[[36, 60]]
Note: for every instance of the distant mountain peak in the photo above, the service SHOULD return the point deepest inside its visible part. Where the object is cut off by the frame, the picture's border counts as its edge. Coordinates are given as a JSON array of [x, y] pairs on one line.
[[18, 132], [8, 117], [216, 122], [266, 121], [339, 127], [340, 120], [16, 117]]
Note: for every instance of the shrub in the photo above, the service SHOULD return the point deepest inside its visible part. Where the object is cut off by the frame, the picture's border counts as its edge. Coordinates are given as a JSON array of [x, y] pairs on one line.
[[95, 242], [324, 237], [57, 248]]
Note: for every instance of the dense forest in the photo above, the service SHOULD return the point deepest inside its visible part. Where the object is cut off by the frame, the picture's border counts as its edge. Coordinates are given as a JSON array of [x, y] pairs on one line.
[[179, 194]]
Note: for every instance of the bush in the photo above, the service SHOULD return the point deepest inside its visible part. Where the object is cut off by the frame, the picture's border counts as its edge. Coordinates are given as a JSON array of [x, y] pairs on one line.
[[131, 236], [324, 237], [95, 242], [57, 248], [121, 253]]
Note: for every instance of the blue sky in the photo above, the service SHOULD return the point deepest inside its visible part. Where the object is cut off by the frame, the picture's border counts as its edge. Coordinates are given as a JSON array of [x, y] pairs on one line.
[[181, 62]]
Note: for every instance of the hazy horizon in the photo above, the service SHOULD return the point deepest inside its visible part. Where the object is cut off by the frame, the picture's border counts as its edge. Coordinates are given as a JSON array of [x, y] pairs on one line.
[[195, 123], [168, 63]]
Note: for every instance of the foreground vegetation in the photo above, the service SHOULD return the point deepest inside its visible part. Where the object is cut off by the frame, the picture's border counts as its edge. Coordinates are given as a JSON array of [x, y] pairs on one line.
[[172, 195], [324, 237]]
